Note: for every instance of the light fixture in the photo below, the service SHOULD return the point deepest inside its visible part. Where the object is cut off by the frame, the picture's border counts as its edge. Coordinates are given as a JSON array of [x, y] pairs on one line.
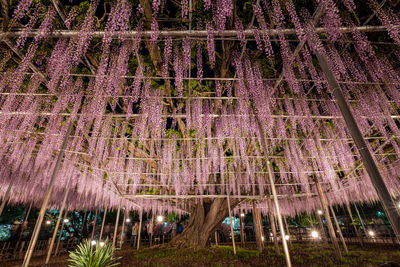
[[241, 214], [270, 234], [287, 237], [262, 238], [66, 220], [93, 242], [371, 233], [48, 222], [101, 244], [128, 220], [314, 234], [160, 218], [320, 212]]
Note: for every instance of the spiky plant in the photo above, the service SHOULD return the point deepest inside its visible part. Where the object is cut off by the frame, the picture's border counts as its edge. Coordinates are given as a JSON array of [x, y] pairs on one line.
[[88, 255]]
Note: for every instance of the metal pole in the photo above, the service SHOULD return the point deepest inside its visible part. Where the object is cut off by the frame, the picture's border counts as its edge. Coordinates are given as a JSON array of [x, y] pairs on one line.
[[231, 223], [338, 227], [257, 228], [332, 234], [366, 157], [354, 225], [274, 194], [242, 243], [46, 199], [57, 224], [140, 229], [116, 224], [94, 225], [273, 226], [5, 198], [102, 224]]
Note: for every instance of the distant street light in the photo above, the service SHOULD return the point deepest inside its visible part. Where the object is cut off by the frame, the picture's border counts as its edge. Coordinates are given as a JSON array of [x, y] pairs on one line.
[[314, 234]]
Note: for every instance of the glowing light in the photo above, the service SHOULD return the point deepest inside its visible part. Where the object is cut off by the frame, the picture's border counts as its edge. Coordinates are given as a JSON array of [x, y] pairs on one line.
[[101, 244], [320, 212], [371, 233], [262, 238], [48, 222], [93, 242], [314, 234], [66, 220], [287, 237], [160, 218], [242, 215], [270, 234], [128, 220]]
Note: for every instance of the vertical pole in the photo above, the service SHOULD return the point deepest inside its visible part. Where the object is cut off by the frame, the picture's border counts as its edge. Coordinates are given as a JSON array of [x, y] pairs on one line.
[[231, 223], [354, 225], [370, 165], [122, 230], [116, 224], [287, 229], [338, 227], [140, 229], [94, 225], [5, 198], [257, 229], [274, 194], [324, 235], [61, 232], [273, 226], [328, 220], [28, 212], [241, 231], [361, 220], [57, 224], [46, 199], [102, 224], [216, 237], [151, 229]]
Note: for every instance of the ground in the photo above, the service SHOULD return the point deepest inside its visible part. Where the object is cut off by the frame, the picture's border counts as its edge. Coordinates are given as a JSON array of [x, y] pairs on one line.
[[302, 255]]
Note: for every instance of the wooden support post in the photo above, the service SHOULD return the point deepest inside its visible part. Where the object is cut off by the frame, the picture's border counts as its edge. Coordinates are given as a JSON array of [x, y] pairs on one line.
[[5, 198], [366, 157], [242, 242], [257, 228], [338, 228], [122, 231], [57, 224], [332, 234], [102, 224], [94, 225], [324, 235], [151, 228], [46, 199], [140, 229], [61, 232], [231, 224], [287, 229], [273, 226], [216, 237], [354, 225], [116, 224]]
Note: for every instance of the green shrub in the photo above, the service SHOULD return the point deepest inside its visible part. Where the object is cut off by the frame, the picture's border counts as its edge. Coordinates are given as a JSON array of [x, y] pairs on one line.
[[88, 255]]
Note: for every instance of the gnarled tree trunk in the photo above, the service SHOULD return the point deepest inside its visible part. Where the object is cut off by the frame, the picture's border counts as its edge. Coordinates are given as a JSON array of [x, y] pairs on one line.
[[204, 220]]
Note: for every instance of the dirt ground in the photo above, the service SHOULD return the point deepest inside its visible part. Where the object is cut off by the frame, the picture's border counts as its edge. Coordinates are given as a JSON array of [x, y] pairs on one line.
[[301, 255]]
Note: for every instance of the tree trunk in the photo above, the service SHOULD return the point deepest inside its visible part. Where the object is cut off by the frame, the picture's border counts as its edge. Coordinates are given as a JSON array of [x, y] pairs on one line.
[[204, 220]]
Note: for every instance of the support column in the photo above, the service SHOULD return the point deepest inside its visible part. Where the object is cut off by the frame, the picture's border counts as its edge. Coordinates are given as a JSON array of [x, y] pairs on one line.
[[46, 199], [332, 234], [94, 225], [57, 224], [370, 165], [102, 224], [324, 235], [122, 230], [59, 237], [338, 228], [273, 226], [5, 198], [242, 243], [287, 229], [231, 223], [140, 229], [116, 224], [216, 237], [354, 225], [257, 229]]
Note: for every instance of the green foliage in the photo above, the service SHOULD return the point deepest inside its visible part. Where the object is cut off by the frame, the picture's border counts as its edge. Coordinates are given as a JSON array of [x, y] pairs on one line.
[[88, 255]]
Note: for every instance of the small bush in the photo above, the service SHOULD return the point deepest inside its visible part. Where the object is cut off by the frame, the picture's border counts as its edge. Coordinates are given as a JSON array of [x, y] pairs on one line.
[[88, 255]]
